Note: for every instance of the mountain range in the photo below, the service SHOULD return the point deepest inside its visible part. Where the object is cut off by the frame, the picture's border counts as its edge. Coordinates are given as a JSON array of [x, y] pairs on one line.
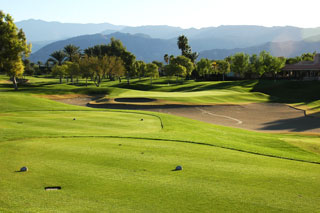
[[152, 42], [144, 47], [286, 49]]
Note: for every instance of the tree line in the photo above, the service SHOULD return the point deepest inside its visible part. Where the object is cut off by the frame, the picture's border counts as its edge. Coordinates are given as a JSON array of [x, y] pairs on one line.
[[111, 61], [242, 65]]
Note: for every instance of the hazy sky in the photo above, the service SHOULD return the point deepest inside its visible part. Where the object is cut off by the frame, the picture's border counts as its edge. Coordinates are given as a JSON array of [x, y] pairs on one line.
[[183, 13]]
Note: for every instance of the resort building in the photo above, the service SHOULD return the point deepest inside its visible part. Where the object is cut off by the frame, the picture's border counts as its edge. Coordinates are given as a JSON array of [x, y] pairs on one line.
[[304, 70]]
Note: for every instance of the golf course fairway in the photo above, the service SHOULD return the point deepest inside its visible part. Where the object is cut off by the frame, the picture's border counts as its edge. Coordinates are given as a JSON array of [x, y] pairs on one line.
[[124, 161]]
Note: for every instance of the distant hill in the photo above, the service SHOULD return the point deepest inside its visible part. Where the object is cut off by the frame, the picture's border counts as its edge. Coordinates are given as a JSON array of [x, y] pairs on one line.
[[152, 42], [230, 37], [161, 31], [144, 47], [148, 49], [38, 30], [221, 37], [286, 49], [227, 37], [37, 45]]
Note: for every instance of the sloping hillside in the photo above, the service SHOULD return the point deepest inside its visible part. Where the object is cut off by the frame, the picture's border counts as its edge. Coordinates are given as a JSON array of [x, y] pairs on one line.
[[144, 47], [286, 49]]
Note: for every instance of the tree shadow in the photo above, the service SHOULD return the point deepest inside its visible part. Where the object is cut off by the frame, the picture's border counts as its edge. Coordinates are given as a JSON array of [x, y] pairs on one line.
[[185, 87], [217, 86], [46, 88], [300, 124], [289, 91], [137, 86]]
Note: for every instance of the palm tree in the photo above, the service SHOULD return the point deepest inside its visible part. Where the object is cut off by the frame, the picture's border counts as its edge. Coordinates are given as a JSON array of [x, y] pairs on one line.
[[183, 45], [58, 56], [166, 58], [71, 51], [193, 56], [39, 64]]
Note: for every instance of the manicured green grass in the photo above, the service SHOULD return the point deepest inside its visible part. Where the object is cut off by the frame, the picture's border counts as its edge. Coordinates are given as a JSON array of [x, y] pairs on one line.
[[37, 118], [113, 161], [98, 175]]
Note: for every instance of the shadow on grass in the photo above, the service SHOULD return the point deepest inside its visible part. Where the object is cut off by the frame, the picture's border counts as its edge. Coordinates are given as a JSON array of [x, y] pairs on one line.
[[186, 87], [285, 91], [136, 86], [221, 85], [55, 89]]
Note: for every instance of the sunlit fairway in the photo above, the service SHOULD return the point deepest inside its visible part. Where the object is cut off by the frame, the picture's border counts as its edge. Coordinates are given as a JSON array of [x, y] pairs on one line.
[[122, 161]]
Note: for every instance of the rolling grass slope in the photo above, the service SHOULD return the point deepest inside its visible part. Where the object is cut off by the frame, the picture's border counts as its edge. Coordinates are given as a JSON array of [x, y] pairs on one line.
[[300, 94], [112, 161]]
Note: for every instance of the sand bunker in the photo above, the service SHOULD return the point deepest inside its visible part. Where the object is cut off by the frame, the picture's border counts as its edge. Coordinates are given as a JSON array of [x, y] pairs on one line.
[[74, 99], [270, 117]]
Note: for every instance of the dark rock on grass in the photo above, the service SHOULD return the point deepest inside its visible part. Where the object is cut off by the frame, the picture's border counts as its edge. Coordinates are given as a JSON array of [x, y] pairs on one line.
[[178, 168], [24, 169]]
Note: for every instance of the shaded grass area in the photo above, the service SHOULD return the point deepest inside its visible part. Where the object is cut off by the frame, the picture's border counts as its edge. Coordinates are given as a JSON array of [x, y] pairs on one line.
[[289, 91], [302, 94], [51, 86]]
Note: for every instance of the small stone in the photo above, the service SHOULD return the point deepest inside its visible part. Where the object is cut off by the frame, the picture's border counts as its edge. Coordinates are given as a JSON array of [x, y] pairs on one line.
[[24, 169], [178, 168]]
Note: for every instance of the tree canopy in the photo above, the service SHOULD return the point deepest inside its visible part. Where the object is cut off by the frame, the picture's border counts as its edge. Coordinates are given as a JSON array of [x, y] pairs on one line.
[[152, 71], [71, 52], [186, 51], [58, 57], [13, 47]]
